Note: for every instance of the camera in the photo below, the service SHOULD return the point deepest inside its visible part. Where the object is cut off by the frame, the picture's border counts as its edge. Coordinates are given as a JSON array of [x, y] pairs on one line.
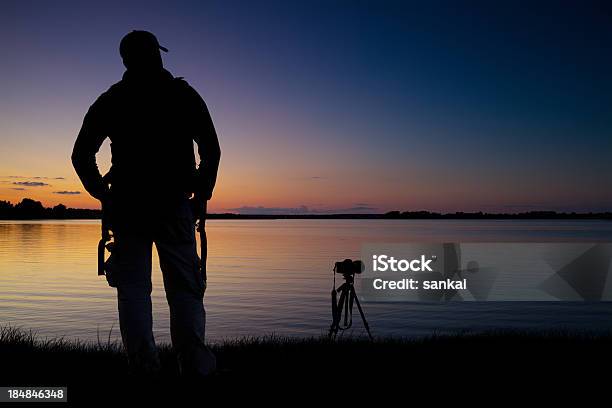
[[349, 267]]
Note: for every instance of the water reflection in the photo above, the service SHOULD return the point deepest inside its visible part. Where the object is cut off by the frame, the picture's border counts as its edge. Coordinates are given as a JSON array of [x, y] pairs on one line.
[[266, 276]]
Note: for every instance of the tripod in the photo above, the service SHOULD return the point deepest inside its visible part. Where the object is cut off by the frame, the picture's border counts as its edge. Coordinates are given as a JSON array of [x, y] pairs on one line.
[[348, 296]]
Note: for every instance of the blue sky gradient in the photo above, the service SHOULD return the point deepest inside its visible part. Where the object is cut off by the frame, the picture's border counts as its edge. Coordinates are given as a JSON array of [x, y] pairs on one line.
[[444, 105]]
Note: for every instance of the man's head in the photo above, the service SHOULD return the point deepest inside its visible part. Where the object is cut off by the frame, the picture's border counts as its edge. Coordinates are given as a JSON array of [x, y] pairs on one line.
[[140, 51]]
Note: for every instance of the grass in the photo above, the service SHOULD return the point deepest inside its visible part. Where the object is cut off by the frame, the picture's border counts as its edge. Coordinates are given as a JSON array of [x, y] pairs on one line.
[[312, 364]]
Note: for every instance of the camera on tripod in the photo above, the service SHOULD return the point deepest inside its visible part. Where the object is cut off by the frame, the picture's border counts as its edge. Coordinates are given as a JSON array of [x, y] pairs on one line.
[[348, 267], [348, 297]]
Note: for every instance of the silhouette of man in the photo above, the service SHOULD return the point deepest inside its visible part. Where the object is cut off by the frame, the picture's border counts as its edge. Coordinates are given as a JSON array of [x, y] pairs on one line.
[[152, 120]]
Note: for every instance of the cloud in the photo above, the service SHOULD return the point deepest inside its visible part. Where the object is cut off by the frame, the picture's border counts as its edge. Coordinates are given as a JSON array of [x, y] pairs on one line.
[[270, 210], [360, 208], [67, 192], [513, 206], [301, 210], [35, 177], [30, 183], [18, 188], [308, 178]]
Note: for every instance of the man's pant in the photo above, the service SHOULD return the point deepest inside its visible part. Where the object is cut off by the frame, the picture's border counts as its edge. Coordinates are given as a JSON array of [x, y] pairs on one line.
[[129, 270]]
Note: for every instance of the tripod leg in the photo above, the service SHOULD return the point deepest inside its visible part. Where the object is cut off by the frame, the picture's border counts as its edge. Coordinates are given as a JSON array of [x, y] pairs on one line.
[[337, 311], [349, 306], [347, 310], [365, 322], [334, 299]]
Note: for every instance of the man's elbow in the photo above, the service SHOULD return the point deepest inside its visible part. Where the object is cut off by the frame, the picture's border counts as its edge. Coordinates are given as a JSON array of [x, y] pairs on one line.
[[213, 154], [76, 159], [217, 154]]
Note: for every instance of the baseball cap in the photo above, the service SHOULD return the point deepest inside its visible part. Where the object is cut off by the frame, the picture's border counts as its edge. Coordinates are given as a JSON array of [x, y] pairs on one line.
[[137, 41]]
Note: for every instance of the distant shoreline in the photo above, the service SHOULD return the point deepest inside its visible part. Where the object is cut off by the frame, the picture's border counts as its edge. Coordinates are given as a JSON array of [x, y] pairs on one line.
[[28, 209], [467, 216]]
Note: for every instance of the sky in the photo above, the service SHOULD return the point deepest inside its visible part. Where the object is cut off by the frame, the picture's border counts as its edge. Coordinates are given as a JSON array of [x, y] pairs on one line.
[[335, 106]]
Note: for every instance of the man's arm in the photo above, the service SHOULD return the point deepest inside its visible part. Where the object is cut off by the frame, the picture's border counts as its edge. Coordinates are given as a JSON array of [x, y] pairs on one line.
[[87, 144], [208, 148]]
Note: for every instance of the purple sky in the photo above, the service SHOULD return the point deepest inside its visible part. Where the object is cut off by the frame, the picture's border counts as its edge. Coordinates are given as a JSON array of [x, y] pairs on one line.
[[335, 106]]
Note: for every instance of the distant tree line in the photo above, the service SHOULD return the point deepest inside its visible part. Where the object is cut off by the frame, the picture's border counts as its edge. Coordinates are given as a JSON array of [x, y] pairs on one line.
[[529, 215], [28, 209]]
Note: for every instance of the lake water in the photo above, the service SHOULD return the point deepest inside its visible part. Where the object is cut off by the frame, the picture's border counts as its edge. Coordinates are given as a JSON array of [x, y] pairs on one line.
[[271, 276]]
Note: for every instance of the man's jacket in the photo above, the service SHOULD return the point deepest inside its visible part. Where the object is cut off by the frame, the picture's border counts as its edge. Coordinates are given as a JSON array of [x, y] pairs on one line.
[[152, 122]]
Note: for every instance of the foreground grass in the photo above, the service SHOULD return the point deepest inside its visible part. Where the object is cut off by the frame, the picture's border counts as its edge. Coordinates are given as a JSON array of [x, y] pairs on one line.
[[500, 357]]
